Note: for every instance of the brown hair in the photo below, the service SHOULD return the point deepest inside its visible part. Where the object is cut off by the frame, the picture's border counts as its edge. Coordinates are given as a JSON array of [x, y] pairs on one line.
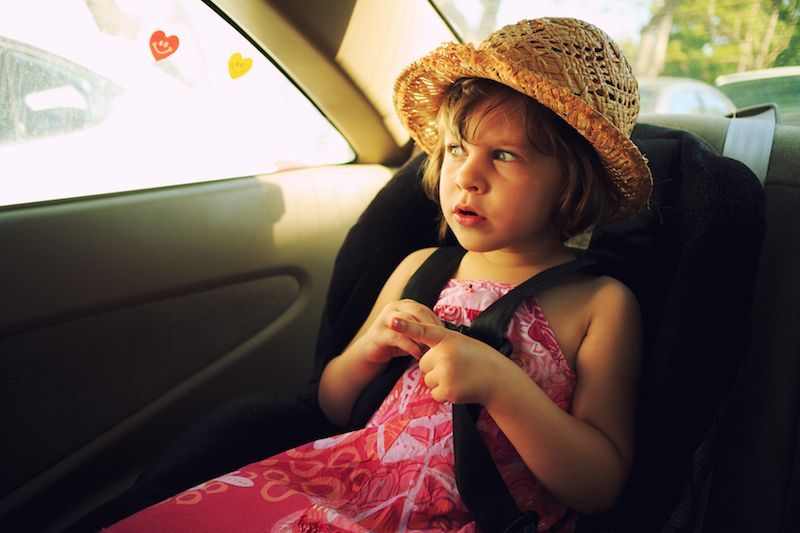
[[588, 197]]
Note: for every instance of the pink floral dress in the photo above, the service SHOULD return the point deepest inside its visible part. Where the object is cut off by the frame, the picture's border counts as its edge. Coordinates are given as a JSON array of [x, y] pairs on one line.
[[396, 474]]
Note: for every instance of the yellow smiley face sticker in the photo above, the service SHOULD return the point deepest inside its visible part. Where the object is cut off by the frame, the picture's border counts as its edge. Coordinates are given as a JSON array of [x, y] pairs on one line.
[[238, 66]]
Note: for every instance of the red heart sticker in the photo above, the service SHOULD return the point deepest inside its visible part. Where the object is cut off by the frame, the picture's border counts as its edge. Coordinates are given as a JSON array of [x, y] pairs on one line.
[[162, 46]]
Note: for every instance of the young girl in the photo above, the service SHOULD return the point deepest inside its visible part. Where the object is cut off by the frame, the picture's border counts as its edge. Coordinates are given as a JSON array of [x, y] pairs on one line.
[[528, 137]]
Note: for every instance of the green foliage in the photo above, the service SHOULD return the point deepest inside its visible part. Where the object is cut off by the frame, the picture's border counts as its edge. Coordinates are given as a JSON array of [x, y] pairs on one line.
[[709, 38], [791, 55]]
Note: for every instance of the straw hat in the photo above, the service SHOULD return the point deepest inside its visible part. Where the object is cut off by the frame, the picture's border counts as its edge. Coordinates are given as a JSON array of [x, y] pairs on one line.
[[568, 65]]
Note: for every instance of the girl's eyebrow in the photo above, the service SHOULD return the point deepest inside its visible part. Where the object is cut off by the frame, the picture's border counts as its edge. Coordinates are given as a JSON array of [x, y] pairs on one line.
[[504, 145], [520, 147], [518, 143]]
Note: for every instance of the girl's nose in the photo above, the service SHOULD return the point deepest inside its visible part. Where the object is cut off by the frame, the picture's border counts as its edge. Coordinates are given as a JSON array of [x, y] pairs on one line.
[[470, 175]]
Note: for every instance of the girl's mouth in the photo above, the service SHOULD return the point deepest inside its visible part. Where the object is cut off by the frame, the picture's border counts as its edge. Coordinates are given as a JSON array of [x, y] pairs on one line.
[[465, 216]]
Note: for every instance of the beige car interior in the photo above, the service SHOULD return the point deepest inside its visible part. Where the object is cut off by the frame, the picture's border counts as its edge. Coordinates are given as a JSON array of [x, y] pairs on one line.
[[262, 249]]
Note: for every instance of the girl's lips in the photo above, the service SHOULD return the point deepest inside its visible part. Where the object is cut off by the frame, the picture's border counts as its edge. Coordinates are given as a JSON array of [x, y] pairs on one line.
[[464, 216]]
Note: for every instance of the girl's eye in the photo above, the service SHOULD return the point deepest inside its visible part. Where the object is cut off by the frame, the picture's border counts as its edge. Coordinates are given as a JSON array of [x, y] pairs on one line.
[[455, 150], [502, 155]]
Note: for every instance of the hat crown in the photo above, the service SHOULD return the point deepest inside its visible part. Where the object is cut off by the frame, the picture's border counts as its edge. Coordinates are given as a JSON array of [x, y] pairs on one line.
[[575, 55]]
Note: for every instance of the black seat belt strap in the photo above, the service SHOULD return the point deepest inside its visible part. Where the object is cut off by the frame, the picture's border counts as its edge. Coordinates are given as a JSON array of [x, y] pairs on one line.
[[427, 282], [490, 326], [479, 482]]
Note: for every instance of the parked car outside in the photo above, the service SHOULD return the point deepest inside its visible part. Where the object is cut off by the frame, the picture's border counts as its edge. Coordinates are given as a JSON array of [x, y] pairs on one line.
[[682, 95], [780, 85]]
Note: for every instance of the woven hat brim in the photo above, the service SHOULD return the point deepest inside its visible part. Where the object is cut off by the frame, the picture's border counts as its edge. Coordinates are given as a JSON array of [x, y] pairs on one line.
[[419, 88]]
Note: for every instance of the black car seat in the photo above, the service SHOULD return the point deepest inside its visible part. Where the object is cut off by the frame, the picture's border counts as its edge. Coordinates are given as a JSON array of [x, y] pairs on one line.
[[755, 468], [691, 259]]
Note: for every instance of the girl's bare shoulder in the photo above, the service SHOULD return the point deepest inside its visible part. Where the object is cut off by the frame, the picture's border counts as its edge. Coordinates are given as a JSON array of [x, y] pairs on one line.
[[613, 319], [588, 290], [417, 257], [605, 293], [414, 260]]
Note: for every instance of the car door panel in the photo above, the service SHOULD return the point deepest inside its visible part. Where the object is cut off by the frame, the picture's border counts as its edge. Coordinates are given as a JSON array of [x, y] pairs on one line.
[[131, 314]]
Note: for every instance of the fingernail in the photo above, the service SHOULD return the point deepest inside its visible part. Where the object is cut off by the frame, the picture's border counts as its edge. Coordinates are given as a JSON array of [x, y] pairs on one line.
[[398, 324]]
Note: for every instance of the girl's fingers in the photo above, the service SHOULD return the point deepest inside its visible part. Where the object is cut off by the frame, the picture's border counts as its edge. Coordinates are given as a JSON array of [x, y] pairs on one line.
[[402, 342], [426, 363], [408, 346], [420, 312], [404, 328], [430, 381], [399, 316], [422, 333]]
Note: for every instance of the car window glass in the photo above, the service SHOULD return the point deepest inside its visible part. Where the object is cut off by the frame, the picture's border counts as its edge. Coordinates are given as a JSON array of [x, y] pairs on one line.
[[671, 41], [780, 86], [101, 96]]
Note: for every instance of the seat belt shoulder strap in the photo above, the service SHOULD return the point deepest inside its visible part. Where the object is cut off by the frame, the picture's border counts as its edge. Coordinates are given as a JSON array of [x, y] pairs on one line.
[[427, 282]]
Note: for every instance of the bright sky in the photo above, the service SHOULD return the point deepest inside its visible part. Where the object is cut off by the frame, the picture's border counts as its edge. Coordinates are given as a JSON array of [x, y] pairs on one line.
[[621, 19]]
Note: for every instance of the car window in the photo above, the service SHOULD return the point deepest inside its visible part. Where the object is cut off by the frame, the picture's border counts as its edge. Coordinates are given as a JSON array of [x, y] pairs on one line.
[[102, 96], [779, 85], [669, 42]]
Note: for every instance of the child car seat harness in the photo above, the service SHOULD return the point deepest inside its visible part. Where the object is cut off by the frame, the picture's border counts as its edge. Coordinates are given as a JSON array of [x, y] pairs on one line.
[[479, 482]]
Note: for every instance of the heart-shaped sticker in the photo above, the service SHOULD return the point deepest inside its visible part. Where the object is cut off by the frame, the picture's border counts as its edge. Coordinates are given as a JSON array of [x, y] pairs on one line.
[[238, 66], [162, 46]]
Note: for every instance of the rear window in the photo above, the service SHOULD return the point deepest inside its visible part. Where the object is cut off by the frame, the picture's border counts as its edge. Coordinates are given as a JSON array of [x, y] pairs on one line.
[[107, 96], [676, 42]]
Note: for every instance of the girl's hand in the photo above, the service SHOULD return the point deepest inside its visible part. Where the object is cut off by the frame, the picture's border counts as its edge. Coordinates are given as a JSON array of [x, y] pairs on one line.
[[383, 341], [457, 368]]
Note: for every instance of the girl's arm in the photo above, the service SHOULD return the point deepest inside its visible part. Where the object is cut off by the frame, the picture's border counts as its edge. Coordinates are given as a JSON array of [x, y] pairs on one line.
[[582, 457], [346, 375]]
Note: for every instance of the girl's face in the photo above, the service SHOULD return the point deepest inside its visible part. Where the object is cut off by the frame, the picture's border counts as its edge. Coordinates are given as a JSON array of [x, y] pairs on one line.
[[497, 191]]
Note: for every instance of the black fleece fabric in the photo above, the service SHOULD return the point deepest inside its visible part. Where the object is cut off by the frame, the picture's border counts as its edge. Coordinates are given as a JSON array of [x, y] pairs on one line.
[[690, 258], [692, 261]]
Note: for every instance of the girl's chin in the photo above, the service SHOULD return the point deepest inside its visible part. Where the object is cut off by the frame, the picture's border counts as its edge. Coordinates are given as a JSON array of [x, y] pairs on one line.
[[472, 243]]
